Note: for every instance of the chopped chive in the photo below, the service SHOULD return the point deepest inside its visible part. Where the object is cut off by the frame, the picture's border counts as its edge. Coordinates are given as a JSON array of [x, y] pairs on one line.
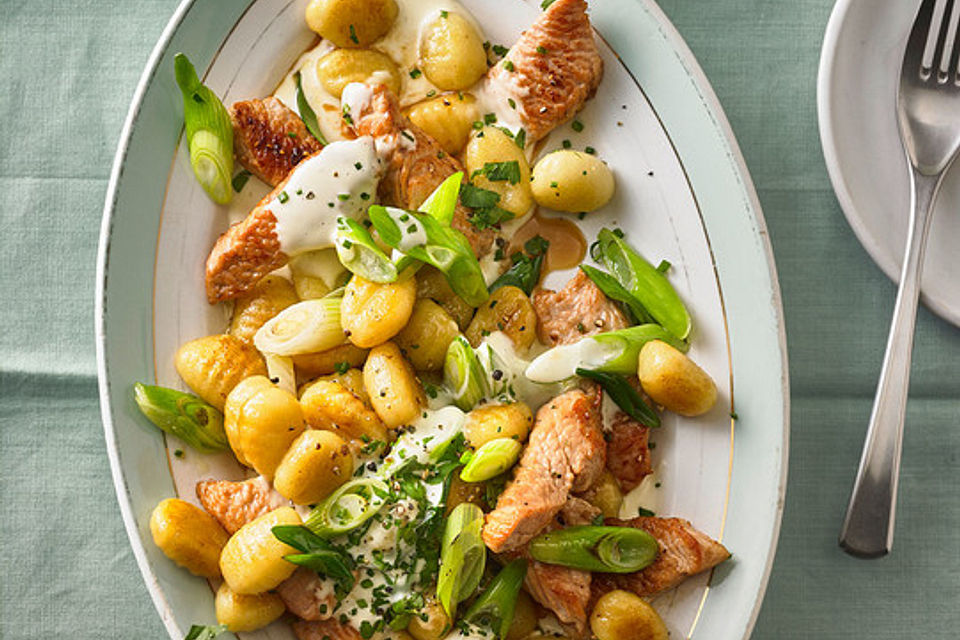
[[591, 150], [567, 144], [508, 65], [489, 118], [542, 50], [282, 197], [415, 73], [353, 35], [577, 126], [240, 180], [512, 103]]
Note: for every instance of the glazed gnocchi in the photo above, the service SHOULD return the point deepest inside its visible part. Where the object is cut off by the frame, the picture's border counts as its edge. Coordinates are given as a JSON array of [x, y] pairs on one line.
[[451, 52], [315, 464], [214, 365], [272, 295], [246, 612], [372, 313], [340, 67], [572, 181], [330, 405], [189, 536], [351, 23], [252, 559], [508, 310], [447, 118], [428, 333], [395, 392], [491, 145], [484, 424]]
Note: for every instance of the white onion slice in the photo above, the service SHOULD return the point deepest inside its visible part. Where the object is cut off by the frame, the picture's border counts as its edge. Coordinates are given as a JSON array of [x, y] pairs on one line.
[[306, 327]]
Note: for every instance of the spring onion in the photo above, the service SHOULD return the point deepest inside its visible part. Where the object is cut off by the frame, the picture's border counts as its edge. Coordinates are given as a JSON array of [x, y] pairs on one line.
[[624, 395], [611, 352], [496, 605], [463, 374], [205, 632], [209, 133], [348, 507], [442, 203], [490, 460], [590, 548], [182, 415], [305, 327], [360, 254], [525, 272], [307, 114], [317, 554], [615, 291], [642, 280], [281, 373], [463, 556]]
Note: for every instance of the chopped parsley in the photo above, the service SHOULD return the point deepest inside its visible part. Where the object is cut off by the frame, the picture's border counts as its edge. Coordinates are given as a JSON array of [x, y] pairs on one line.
[[500, 171], [415, 73], [489, 118], [342, 367], [512, 103], [546, 4], [525, 272], [444, 13], [508, 65], [645, 512]]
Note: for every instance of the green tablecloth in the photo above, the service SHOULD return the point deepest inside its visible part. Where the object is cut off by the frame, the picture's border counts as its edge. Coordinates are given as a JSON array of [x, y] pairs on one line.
[[69, 68]]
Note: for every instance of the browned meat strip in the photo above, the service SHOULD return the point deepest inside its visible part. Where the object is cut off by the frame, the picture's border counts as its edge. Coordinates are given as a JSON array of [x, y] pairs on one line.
[[628, 452], [552, 69], [566, 452], [307, 596], [234, 504], [564, 591], [684, 552], [417, 164], [269, 139], [324, 630], [578, 310]]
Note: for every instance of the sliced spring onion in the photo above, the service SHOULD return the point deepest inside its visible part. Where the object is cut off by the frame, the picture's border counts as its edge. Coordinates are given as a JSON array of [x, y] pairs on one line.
[[645, 283], [305, 327], [624, 395], [615, 291], [360, 254], [496, 605], [317, 554], [205, 632], [492, 459], [209, 133], [441, 204], [607, 549], [307, 114], [611, 352], [348, 507], [463, 374], [183, 415], [281, 373], [525, 272], [463, 557]]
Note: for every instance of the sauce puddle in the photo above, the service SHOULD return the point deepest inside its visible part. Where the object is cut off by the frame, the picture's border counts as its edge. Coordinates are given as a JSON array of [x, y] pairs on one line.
[[567, 244]]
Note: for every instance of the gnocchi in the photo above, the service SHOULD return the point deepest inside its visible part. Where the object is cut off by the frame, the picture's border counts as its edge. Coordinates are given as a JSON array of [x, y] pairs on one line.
[[451, 52], [427, 335], [351, 23], [448, 119], [189, 536], [340, 67], [214, 365], [525, 618], [261, 421], [269, 297], [326, 362], [607, 496], [508, 310], [572, 181], [372, 313], [252, 560], [498, 421], [490, 144], [330, 405], [431, 283], [621, 615], [674, 381], [246, 612], [315, 464], [395, 392], [432, 623]]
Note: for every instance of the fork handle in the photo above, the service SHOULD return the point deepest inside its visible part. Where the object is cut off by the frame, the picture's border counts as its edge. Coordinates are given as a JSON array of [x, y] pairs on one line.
[[868, 526]]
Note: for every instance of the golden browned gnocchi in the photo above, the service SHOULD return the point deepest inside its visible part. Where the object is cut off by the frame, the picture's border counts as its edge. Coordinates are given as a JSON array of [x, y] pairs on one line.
[[673, 380], [269, 297], [572, 181], [497, 421], [311, 365], [431, 283], [525, 618], [214, 365], [448, 119], [621, 615], [395, 392], [246, 612], [461, 491], [252, 560], [330, 405], [351, 23], [261, 421], [315, 464], [432, 623], [189, 536], [340, 67], [508, 310], [372, 313], [606, 495], [489, 145], [427, 335], [451, 52]]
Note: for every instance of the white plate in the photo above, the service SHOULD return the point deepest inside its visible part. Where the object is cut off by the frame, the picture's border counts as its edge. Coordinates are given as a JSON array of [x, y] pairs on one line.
[[856, 94], [683, 194]]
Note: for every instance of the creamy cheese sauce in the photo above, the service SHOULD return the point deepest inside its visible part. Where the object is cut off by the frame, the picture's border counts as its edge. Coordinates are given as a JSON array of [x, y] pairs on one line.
[[341, 180], [561, 362]]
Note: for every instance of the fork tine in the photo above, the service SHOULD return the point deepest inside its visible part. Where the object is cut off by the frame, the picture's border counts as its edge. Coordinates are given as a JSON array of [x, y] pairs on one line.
[[918, 56], [945, 41]]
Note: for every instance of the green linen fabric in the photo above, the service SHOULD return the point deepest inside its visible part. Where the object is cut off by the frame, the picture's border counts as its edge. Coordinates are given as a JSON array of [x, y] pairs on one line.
[[69, 69]]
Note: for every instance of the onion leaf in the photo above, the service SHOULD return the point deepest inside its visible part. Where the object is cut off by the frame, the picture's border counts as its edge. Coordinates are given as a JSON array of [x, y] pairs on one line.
[[624, 395], [463, 374], [348, 507], [307, 114], [497, 604], [590, 548], [463, 557], [183, 415], [360, 254], [492, 459]]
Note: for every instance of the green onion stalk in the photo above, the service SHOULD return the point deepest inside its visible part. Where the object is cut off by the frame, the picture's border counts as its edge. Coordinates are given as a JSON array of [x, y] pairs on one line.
[[183, 415], [590, 548], [209, 133], [317, 554], [612, 288], [644, 282], [624, 396], [496, 606], [348, 507], [360, 254], [307, 114], [463, 557], [490, 460], [463, 374]]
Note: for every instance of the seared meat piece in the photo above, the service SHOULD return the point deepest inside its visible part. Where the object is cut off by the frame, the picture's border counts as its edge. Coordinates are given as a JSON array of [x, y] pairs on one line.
[[628, 452], [269, 139], [552, 69], [248, 251], [304, 592], [415, 162], [324, 630], [566, 452], [684, 552], [578, 310], [564, 591], [234, 504]]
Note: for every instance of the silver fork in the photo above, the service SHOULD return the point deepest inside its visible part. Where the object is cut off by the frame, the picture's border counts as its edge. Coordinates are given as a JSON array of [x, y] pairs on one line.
[[928, 109]]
